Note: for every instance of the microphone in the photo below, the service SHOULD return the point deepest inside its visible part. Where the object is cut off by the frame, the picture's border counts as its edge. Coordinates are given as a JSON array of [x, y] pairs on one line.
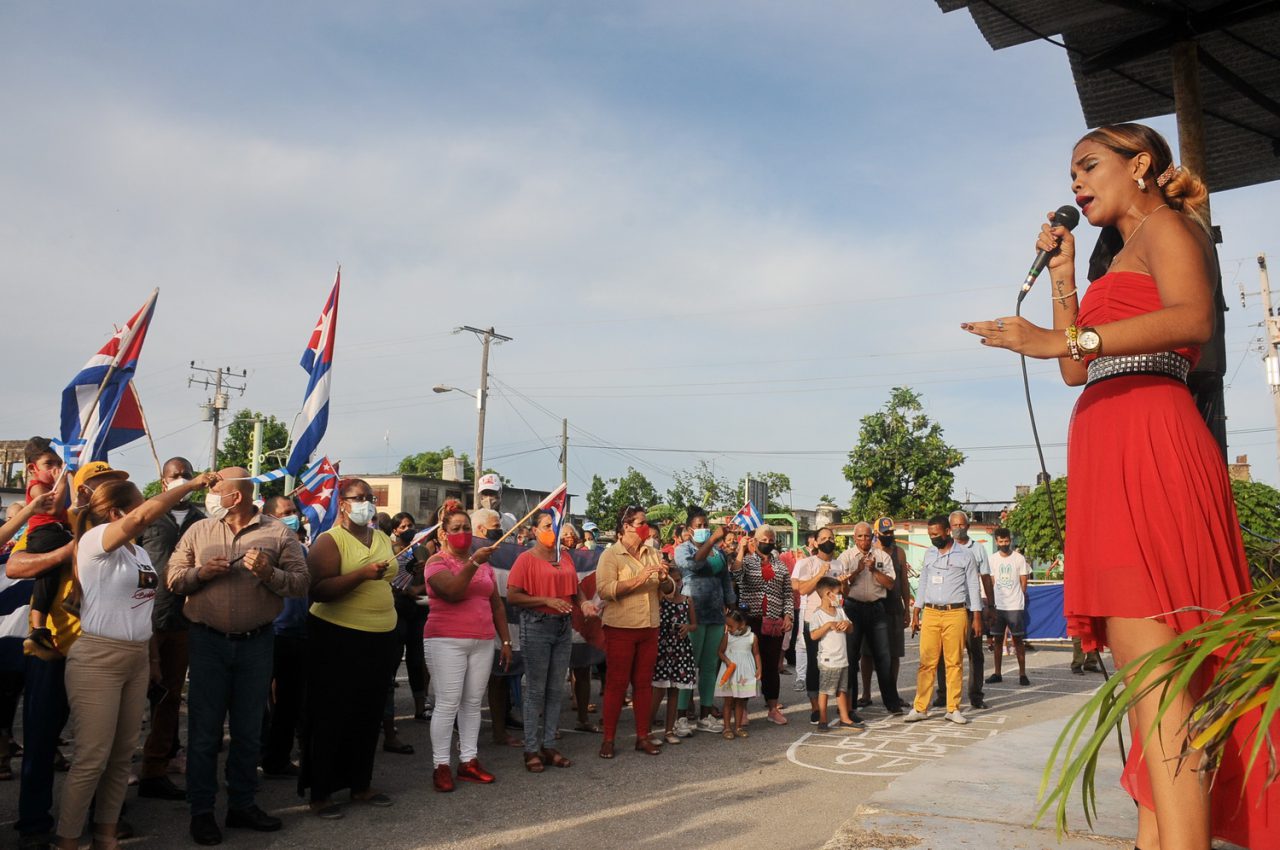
[[1067, 216]]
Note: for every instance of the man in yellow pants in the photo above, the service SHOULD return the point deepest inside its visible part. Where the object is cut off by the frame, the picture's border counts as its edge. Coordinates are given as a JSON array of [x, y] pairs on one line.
[[949, 586]]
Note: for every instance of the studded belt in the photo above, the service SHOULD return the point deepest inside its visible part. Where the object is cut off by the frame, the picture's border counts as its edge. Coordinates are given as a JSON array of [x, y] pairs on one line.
[[1161, 363]]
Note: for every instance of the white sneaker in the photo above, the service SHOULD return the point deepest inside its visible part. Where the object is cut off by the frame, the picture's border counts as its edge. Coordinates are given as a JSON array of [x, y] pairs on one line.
[[915, 716], [956, 717], [710, 724], [682, 728]]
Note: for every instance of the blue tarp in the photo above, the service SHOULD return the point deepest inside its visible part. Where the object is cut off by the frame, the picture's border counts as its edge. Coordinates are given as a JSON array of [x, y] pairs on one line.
[[1045, 620]]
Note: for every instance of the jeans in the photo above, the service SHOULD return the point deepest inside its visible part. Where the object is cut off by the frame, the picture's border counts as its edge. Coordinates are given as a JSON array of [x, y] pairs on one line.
[[289, 669], [706, 656], [226, 676], [44, 713], [871, 623], [460, 675], [545, 640], [973, 648], [171, 647]]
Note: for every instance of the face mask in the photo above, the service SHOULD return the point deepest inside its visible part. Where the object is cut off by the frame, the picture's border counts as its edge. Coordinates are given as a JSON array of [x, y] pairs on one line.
[[213, 506], [590, 545], [827, 548], [493, 534], [547, 539], [886, 541], [1006, 549], [765, 548], [292, 522], [490, 502], [643, 532], [459, 541], [939, 542], [701, 535], [174, 483], [405, 536], [961, 534], [361, 513]]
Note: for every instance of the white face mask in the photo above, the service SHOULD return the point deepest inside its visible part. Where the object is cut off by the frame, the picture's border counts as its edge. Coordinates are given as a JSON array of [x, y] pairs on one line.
[[361, 513], [213, 506], [175, 483]]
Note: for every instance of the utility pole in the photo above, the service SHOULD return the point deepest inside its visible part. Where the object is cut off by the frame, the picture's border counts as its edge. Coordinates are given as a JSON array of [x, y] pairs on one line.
[[255, 461], [220, 401], [564, 451], [486, 336], [1271, 342]]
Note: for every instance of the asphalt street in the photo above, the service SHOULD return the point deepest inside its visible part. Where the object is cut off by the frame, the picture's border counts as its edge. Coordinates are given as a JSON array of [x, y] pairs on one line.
[[782, 787]]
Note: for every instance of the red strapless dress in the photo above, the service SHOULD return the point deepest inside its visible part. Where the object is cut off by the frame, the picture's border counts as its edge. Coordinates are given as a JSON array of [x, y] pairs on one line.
[[1152, 528]]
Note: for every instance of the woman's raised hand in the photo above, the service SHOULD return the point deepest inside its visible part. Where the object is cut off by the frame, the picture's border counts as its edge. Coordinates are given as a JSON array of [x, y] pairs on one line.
[[481, 556]]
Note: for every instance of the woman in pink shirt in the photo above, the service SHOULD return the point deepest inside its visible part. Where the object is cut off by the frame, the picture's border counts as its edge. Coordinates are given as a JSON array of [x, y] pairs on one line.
[[465, 613]]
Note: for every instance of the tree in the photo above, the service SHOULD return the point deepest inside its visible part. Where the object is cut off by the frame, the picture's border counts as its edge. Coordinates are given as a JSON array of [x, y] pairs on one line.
[[778, 484], [598, 503], [431, 464], [631, 489], [237, 446], [1258, 509], [901, 466], [700, 486], [1032, 523]]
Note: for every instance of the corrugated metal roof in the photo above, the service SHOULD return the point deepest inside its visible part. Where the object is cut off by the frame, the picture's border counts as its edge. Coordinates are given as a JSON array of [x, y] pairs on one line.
[[1242, 137]]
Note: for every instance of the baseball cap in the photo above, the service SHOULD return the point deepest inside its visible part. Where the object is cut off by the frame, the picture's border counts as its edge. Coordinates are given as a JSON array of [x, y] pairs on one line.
[[95, 469], [590, 526], [884, 525], [490, 482]]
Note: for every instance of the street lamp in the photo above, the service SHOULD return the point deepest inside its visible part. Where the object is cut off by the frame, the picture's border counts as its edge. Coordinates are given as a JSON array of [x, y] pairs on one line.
[[479, 396]]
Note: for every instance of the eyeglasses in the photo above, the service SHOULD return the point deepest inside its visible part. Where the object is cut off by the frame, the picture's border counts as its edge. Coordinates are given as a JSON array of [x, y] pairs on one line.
[[358, 498]]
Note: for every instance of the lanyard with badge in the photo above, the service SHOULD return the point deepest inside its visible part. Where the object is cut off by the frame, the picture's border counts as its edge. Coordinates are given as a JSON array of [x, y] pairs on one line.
[[935, 577]]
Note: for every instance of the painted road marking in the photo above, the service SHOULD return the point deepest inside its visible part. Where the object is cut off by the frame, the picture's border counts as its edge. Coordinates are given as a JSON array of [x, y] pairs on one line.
[[889, 747]]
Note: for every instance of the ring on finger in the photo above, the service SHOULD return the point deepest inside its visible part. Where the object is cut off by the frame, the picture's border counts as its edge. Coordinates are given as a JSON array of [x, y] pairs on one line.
[[999, 324]]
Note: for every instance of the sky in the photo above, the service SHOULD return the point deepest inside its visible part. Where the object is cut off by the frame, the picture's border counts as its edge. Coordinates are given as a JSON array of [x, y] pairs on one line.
[[715, 231]]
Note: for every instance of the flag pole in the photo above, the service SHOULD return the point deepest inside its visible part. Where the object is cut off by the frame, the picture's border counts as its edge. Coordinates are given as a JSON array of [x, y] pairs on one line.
[[146, 429], [524, 518]]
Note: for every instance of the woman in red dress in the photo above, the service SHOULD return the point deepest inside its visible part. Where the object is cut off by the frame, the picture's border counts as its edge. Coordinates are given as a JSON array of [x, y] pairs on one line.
[[1153, 534]]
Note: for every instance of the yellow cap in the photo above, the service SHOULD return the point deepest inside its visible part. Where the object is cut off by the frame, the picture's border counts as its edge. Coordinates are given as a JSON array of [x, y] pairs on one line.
[[95, 469]]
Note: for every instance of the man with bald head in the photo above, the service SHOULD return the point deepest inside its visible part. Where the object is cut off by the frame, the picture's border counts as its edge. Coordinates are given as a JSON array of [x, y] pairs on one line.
[[868, 575], [168, 638], [234, 567]]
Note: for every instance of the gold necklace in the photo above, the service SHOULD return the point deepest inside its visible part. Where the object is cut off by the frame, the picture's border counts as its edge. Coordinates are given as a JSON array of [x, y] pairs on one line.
[[1144, 221]]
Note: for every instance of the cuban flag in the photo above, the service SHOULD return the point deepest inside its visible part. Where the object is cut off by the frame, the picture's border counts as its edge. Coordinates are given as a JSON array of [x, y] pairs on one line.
[[318, 497], [556, 503], [100, 409], [316, 360], [748, 518]]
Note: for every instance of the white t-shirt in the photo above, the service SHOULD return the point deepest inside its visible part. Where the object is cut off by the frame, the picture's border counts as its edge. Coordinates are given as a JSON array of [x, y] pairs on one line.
[[1006, 575], [833, 652], [807, 568], [119, 588]]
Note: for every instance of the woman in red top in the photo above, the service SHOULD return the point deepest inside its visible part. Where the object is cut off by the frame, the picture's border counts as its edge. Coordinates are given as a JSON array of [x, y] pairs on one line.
[[1153, 544], [544, 585]]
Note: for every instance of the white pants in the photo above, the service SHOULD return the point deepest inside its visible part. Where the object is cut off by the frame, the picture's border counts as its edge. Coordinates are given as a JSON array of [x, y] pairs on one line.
[[802, 660], [459, 676]]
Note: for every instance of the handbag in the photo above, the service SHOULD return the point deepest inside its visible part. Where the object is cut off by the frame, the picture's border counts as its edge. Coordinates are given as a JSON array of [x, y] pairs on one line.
[[773, 626]]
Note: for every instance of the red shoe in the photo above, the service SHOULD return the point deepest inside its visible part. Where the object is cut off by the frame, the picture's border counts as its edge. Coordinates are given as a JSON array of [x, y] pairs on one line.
[[472, 772], [443, 777]]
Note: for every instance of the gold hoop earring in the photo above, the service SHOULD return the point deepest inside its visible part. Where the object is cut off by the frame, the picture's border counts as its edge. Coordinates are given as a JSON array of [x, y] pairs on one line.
[[1142, 184]]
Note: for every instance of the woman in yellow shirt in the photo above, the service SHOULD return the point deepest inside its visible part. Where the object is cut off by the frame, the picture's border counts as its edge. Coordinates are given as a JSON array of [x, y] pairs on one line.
[[351, 653], [628, 577]]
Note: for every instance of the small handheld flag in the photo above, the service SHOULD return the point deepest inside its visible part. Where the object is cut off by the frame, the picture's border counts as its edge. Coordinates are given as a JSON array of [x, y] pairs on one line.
[[318, 497], [556, 504], [99, 408], [316, 360], [748, 518]]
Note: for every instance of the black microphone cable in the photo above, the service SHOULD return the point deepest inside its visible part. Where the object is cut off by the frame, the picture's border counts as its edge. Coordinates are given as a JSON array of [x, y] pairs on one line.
[[1048, 490]]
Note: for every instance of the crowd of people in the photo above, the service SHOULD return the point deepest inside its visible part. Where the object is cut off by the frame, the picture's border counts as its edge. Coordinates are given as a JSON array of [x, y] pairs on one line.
[[291, 642]]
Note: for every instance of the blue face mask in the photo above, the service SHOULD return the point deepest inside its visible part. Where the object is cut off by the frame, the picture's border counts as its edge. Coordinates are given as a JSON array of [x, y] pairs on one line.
[[291, 522], [701, 535]]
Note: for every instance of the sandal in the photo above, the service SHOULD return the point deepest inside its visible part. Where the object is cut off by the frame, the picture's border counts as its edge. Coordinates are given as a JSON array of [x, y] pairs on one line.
[[606, 750], [554, 758], [741, 733], [727, 734], [533, 763], [588, 727]]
